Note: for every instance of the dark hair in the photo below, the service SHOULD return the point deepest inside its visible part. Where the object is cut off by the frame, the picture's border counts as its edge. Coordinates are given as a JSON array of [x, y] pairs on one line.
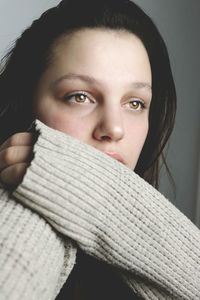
[[25, 63]]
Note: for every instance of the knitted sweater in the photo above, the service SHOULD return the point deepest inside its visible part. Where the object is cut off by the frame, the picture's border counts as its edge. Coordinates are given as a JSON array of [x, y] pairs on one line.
[[76, 196]]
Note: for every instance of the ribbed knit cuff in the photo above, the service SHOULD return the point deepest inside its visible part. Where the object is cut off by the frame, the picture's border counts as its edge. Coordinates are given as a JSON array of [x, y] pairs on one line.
[[32, 255], [112, 214]]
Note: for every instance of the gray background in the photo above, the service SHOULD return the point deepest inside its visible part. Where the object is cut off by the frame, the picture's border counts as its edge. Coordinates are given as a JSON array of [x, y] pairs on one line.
[[178, 21]]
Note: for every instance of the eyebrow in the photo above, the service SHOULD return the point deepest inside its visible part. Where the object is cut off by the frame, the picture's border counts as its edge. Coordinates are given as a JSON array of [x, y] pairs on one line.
[[91, 80]]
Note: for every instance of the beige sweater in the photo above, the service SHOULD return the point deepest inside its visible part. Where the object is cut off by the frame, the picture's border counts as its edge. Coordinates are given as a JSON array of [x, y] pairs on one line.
[[74, 195]]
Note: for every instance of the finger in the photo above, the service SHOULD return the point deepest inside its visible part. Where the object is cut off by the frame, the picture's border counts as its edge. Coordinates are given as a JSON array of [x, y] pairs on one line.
[[14, 155], [13, 175], [19, 139]]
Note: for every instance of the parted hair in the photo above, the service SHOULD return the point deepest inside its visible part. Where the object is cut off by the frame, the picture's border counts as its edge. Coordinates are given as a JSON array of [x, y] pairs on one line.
[[31, 54]]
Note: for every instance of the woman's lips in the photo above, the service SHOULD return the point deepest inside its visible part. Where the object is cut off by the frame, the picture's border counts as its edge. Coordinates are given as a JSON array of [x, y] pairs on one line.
[[116, 156]]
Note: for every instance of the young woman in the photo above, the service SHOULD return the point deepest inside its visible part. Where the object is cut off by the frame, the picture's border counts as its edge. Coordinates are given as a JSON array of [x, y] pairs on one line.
[[96, 75]]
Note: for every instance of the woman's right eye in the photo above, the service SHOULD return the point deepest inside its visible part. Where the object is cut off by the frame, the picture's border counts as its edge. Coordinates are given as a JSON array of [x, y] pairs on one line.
[[78, 98]]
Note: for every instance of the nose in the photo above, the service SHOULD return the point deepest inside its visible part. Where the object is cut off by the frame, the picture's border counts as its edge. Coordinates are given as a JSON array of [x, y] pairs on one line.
[[109, 125]]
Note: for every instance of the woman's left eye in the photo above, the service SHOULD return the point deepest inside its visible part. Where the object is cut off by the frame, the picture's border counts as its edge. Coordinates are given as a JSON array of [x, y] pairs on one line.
[[136, 104], [77, 98]]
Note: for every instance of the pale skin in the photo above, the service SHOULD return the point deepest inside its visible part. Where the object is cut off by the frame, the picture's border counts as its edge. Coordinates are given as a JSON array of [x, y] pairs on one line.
[[97, 89]]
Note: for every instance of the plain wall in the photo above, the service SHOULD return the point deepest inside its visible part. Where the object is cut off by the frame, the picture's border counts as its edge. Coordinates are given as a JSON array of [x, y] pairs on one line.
[[178, 21]]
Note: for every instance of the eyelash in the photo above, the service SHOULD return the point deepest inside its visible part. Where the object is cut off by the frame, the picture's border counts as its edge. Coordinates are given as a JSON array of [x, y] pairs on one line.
[[139, 102], [71, 96]]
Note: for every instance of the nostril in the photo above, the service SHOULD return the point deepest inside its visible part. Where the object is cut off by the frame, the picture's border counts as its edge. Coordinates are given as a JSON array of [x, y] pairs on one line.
[[105, 138]]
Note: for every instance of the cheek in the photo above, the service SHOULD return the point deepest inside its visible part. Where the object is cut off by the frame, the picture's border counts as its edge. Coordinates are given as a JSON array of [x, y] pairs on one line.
[[62, 121], [143, 134], [138, 132], [141, 138], [68, 125], [136, 142]]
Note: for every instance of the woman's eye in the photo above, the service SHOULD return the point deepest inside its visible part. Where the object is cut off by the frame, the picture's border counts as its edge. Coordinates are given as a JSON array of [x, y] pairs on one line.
[[77, 97], [136, 105]]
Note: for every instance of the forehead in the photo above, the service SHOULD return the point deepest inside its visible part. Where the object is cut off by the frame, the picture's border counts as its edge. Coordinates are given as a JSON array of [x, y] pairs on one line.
[[109, 53], [97, 38]]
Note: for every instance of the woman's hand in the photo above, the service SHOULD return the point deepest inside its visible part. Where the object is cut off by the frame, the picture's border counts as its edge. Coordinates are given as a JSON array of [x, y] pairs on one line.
[[15, 156]]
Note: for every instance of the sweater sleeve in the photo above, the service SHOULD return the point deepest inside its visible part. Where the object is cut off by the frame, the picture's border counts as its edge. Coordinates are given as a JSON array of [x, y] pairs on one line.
[[113, 215], [34, 260]]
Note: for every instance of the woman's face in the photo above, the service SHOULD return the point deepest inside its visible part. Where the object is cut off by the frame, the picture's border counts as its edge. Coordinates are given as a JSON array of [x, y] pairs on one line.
[[98, 90]]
